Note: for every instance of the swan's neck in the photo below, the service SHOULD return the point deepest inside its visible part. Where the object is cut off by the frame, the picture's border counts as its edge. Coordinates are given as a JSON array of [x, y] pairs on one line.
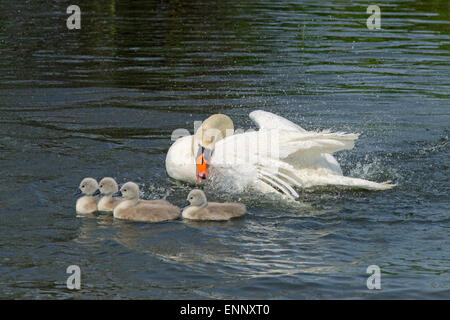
[[213, 129]]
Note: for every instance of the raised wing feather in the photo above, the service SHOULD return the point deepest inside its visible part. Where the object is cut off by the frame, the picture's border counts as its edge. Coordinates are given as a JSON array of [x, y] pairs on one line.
[[267, 121]]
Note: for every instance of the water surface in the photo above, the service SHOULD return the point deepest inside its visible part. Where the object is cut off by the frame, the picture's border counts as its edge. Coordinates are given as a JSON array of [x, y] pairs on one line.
[[104, 100]]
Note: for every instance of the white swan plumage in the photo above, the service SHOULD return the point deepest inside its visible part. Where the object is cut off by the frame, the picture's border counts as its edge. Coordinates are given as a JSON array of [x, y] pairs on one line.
[[279, 157]]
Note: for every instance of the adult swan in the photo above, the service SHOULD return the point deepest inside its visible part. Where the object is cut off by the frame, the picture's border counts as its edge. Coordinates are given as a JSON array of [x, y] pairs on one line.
[[279, 157]]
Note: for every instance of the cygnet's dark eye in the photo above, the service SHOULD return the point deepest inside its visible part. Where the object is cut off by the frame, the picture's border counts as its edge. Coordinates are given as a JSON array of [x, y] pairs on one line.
[[191, 198], [82, 186], [101, 186], [125, 190]]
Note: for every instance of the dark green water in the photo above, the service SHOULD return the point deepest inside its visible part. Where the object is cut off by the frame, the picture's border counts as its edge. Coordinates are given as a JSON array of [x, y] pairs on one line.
[[104, 100]]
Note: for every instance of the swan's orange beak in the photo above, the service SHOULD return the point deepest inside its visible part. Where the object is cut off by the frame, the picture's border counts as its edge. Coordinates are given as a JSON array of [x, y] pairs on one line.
[[202, 164]]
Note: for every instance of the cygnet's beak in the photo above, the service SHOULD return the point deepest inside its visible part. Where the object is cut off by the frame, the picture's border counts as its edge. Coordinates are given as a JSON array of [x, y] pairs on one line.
[[202, 162], [118, 194], [77, 193], [97, 192], [186, 204]]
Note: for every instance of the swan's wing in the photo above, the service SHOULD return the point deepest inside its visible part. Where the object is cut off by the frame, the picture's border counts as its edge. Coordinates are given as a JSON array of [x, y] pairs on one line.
[[267, 121], [309, 143], [258, 155]]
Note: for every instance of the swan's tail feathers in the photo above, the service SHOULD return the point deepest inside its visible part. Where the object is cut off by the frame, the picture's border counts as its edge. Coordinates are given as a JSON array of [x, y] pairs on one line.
[[355, 183]]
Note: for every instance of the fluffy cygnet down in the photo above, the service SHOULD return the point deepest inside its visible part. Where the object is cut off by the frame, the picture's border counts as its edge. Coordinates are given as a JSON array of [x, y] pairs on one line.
[[107, 187], [88, 202], [197, 207], [134, 209]]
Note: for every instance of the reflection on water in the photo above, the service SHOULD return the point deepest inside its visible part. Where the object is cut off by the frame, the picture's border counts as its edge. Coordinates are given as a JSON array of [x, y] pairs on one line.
[[104, 100]]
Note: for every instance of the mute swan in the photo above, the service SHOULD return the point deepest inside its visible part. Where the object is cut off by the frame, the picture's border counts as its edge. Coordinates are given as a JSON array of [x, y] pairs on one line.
[[107, 187], [87, 203], [279, 157], [197, 207], [132, 208]]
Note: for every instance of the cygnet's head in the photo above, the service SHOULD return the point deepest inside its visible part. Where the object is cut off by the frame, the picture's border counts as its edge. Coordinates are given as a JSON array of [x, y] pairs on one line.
[[129, 191], [108, 186], [88, 186], [196, 198]]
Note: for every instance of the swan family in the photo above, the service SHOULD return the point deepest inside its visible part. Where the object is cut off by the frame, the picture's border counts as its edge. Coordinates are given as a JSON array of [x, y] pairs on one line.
[[279, 158]]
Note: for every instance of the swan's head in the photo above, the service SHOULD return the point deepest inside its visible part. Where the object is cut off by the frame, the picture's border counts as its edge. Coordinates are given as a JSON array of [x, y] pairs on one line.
[[129, 191], [196, 198], [88, 186], [213, 129], [107, 186]]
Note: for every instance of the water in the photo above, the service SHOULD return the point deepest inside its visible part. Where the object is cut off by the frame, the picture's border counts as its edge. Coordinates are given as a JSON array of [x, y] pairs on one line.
[[104, 100]]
